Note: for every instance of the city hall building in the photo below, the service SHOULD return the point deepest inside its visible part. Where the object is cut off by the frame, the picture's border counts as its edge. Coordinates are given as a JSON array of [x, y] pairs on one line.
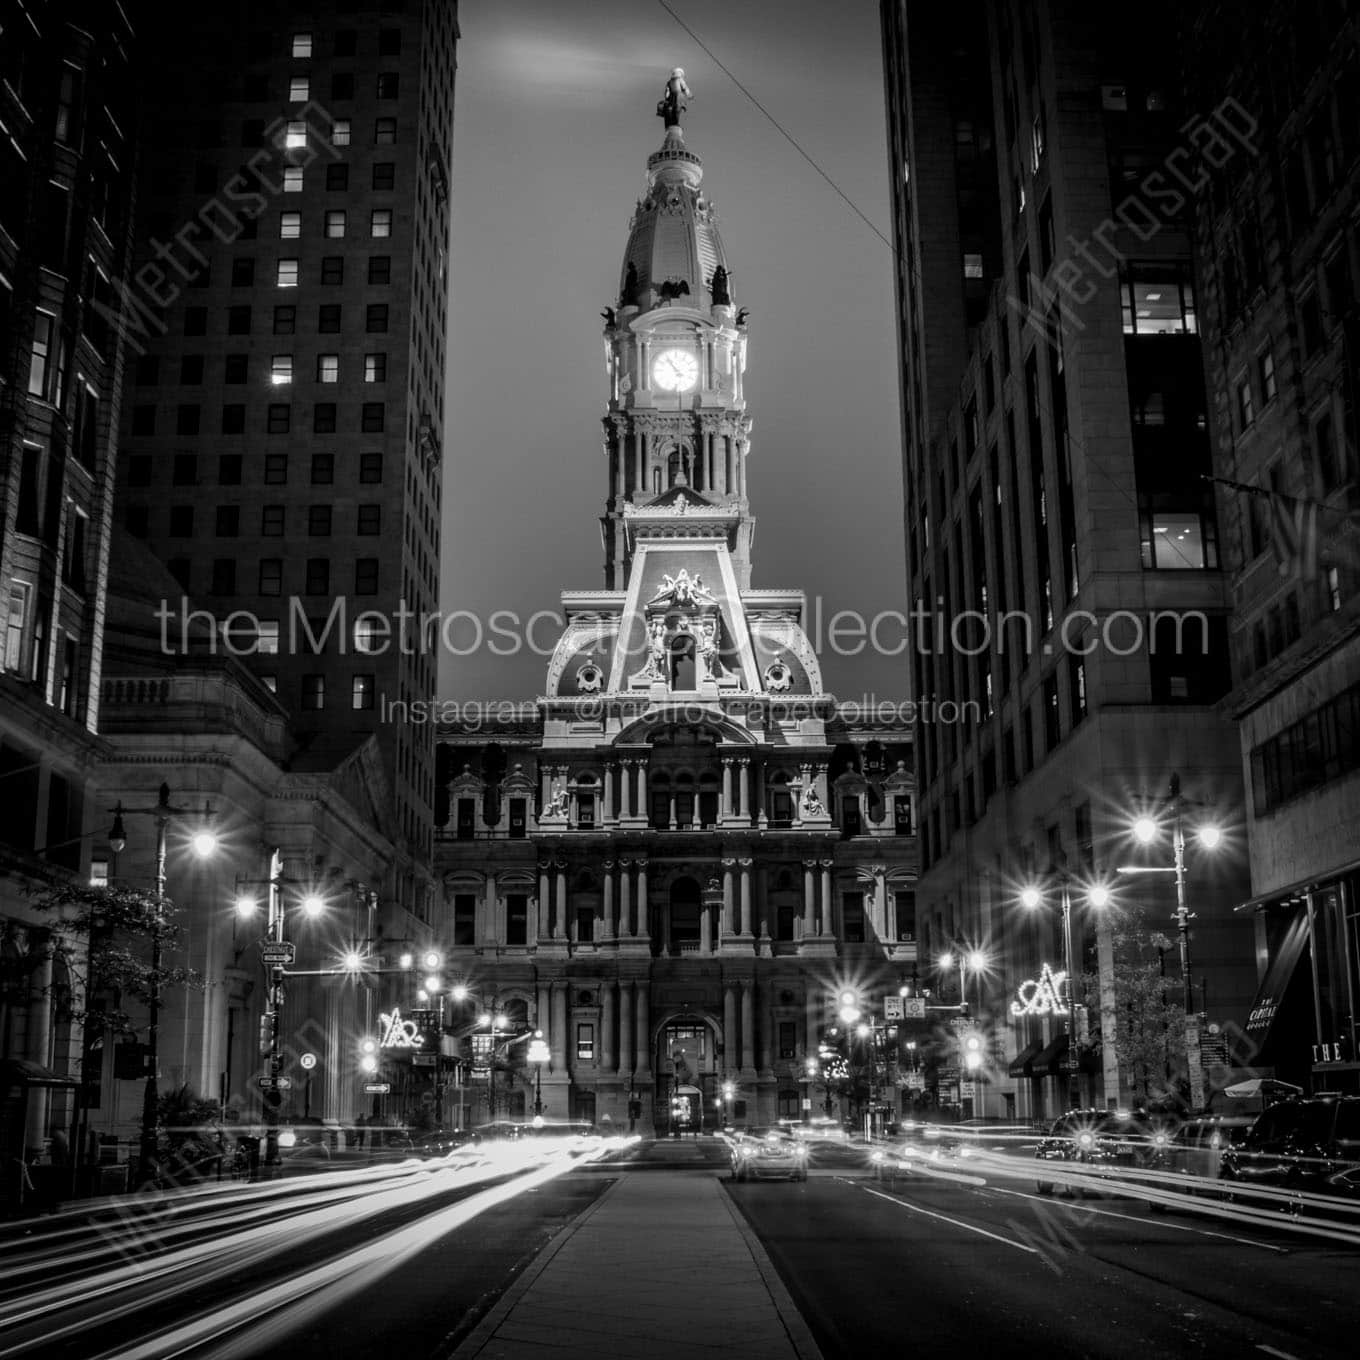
[[676, 861]]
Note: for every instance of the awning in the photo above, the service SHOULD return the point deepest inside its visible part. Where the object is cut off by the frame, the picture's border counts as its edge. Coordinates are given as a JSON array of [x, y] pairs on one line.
[[1299, 887], [1020, 1064], [21, 1072], [1270, 996], [1050, 1061]]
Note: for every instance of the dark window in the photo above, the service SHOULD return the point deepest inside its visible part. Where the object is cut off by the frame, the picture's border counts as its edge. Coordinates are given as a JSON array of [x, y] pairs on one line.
[[1189, 661], [271, 521], [271, 576], [236, 368], [228, 521], [332, 269], [318, 578], [380, 269], [323, 469], [373, 417], [242, 272], [148, 370], [389, 42], [342, 85], [375, 318], [137, 520], [139, 470], [464, 919], [313, 692], [275, 469], [852, 916], [384, 175], [187, 420], [234, 418], [143, 420], [323, 417], [328, 318], [517, 918], [223, 576], [370, 519], [345, 42], [196, 320], [191, 369], [388, 85], [318, 520], [370, 468], [279, 416], [337, 177], [238, 319], [184, 470], [902, 819], [285, 320], [366, 576]]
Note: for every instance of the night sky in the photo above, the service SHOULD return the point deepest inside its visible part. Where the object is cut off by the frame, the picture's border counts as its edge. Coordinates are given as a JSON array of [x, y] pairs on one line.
[[555, 119]]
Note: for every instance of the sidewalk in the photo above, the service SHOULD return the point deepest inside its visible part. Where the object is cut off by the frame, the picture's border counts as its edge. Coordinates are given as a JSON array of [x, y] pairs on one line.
[[658, 1268]]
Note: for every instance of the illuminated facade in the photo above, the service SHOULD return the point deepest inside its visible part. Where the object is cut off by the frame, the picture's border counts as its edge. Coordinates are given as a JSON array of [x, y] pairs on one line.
[[677, 863]]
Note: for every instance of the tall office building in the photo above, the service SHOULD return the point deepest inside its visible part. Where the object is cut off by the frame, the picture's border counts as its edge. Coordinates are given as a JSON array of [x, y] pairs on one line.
[[282, 436], [675, 863], [1054, 435], [1280, 258], [66, 166]]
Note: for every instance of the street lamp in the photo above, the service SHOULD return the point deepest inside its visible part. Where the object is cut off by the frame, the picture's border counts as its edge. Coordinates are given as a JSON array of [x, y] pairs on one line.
[[539, 1053], [1097, 896], [203, 842], [1147, 830]]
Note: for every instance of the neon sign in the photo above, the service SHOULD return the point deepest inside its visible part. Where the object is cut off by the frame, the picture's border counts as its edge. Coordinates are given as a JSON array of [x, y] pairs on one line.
[[398, 1033], [1041, 997]]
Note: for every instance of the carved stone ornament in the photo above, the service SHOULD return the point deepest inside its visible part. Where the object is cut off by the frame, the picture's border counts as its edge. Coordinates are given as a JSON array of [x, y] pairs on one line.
[[589, 678], [778, 677]]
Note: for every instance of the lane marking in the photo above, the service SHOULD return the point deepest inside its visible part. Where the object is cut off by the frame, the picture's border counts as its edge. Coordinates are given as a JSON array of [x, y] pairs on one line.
[[957, 1222], [1151, 1222], [1271, 1350]]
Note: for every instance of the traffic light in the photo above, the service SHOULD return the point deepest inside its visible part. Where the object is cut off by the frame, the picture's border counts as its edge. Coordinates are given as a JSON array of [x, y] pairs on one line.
[[368, 1055], [972, 1049], [266, 1033]]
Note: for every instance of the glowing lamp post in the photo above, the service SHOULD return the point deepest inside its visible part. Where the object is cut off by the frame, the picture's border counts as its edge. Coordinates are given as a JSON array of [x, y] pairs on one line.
[[203, 843], [1147, 830], [539, 1054]]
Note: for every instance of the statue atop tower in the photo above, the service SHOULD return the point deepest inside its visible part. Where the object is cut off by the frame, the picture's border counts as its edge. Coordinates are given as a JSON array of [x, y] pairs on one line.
[[672, 104]]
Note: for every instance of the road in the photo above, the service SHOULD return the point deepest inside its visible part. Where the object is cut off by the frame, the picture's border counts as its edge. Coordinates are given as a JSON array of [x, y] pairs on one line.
[[960, 1258]]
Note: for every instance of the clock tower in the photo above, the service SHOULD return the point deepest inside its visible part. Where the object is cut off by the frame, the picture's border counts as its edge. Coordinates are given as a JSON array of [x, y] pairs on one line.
[[676, 433]]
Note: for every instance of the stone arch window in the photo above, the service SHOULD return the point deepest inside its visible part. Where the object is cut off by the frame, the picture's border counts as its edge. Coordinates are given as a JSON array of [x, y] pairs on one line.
[[684, 800], [587, 787], [708, 798], [680, 466], [659, 785]]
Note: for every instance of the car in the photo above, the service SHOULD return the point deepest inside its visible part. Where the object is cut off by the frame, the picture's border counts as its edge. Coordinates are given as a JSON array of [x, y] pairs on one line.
[[1309, 1144], [442, 1142], [1196, 1148], [768, 1154], [1108, 1139]]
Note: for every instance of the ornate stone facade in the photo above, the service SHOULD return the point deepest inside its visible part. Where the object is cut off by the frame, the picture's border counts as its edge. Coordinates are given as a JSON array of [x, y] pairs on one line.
[[678, 867]]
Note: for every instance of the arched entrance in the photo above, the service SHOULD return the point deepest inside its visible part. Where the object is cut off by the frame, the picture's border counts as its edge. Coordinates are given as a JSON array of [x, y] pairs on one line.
[[688, 1067]]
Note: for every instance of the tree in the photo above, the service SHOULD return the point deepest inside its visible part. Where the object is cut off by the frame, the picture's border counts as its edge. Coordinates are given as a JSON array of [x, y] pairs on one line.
[[1149, 1026], [117, 925]]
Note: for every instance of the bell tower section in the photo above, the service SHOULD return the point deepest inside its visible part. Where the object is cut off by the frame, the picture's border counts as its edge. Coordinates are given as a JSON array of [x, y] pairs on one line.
[[676, 435]]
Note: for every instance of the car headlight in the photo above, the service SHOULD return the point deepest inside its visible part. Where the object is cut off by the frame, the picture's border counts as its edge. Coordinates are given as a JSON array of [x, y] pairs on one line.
[[1086, 1140]]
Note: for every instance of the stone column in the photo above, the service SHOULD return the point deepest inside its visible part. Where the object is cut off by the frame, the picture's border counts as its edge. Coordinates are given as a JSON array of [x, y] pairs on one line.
[[560, 923], [745, 895], [705, 929], [828, 902], [609, 927], [544, 901], [640, 808], [643, 1053], [725, 811], [743, 788], [729, 897], [748, 1026], [544, 785], [607, 812], [625, 899], [608, 1057], [626, 1028], [764, 1031], [671, 819], [543, 1008], [731, 1044], [643, 931], [558, 1035], [809, 898]]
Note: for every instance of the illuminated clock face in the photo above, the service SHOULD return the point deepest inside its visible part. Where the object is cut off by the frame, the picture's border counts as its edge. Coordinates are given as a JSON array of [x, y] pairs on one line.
[[675, 370]]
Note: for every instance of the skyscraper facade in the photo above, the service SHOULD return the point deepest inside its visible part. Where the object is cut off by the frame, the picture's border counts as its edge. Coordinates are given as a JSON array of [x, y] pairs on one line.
[[281, 442], [1279, 251], [1063, 549], [67, 162]]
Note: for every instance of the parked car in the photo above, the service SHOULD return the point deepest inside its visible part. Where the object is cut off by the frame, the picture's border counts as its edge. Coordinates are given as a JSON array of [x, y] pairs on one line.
[[1310, 1144], [1197, 1147], [1108, 1139], [768, 1154]]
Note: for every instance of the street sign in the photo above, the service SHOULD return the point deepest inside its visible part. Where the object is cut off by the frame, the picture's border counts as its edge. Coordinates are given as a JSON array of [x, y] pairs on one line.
[[274, 1083], [967, 1089], [892, 1007], [308, 1061], [278, 953], [377, 1088], [960, 1022], [422, 1059], [913, 1007]]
